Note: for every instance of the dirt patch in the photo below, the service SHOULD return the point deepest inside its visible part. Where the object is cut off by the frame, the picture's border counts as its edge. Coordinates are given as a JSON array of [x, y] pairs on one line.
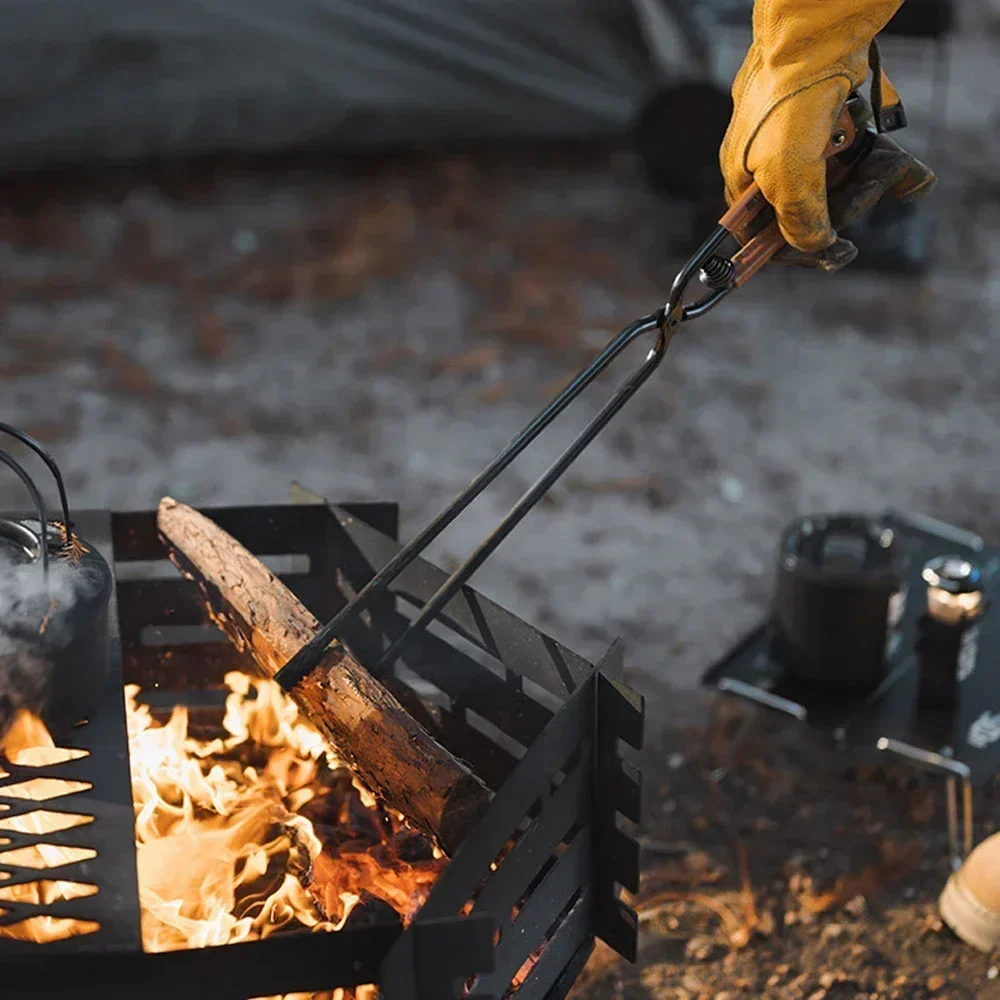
[[804, 874]]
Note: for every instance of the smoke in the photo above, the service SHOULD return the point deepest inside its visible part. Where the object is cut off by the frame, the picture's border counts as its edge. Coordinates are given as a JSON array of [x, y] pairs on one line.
[[33, 626]]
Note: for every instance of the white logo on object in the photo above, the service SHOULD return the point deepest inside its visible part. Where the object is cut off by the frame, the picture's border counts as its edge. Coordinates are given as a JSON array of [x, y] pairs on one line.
[[985, 731], [968, 652]]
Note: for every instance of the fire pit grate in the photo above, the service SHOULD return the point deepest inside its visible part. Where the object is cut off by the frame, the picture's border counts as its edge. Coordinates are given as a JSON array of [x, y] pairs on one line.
[[92, 792], [538, 723]]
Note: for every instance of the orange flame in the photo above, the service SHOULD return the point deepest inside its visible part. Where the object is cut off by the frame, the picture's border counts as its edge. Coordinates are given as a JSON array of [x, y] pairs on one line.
[[26, 736], [27, 743], [225, 852], [207, 829]]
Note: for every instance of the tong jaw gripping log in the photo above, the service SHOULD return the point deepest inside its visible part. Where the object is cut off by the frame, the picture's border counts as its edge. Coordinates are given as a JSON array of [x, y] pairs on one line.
[[752, 223]]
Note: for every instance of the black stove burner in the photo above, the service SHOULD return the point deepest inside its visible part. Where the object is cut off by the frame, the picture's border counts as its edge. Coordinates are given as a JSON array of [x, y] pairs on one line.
[[541, 725]]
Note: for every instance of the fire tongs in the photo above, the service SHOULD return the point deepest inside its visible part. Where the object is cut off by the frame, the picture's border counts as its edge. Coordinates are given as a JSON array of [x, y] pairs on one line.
[[752, 225]]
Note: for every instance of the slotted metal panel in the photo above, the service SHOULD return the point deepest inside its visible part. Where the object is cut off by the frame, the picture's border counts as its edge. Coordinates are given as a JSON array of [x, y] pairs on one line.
[[96, 787]]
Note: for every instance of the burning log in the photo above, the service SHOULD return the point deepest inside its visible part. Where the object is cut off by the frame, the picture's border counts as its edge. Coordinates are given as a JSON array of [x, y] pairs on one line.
[[387, 749]]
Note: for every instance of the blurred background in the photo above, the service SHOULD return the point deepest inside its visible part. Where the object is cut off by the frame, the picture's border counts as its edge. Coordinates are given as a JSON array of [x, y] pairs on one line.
[[359, 244]]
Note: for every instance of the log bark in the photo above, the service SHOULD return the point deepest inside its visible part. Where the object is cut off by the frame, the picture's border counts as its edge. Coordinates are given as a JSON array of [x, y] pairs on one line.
[[370, 731]]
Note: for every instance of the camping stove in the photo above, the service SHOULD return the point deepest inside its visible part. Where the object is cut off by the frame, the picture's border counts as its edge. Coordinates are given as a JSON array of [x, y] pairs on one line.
[[539, 724], [884, 633]]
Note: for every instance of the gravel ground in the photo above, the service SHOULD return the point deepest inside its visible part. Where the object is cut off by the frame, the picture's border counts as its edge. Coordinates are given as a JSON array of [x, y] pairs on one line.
[[378, 329]]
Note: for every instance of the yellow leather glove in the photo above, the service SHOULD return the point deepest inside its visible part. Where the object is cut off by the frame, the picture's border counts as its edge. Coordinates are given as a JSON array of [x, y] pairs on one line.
[[805, 59]]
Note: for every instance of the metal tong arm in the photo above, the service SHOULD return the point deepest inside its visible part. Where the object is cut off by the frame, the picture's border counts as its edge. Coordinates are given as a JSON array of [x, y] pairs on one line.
[[748, 219], [309, 656]]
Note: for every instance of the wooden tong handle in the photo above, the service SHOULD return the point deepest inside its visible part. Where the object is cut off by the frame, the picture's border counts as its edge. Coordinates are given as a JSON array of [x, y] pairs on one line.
[[752, 221]]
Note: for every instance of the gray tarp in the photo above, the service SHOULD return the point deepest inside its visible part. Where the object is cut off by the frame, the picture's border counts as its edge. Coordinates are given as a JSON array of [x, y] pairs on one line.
[[86, 80]]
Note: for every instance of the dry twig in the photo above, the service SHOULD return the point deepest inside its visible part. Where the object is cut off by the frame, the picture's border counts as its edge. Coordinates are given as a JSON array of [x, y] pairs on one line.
[[732, 924]]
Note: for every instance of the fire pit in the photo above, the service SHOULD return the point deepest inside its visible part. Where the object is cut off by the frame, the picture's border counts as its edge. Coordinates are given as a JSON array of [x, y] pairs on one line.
[[228, 794]]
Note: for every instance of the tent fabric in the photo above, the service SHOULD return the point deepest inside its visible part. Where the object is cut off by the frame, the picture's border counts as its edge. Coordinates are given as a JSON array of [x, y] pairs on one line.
[[132, 79]]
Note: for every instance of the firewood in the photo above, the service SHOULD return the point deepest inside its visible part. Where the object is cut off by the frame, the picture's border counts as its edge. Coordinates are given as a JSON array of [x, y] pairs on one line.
[[366, 726]]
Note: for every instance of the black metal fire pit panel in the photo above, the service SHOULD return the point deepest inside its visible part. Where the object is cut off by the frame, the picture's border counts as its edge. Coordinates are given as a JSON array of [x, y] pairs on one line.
[[167, 642], [498, 632], [617, 791], [109, 836], [299, 963], [535, 863], [273, 530], [529, 787], [539, 884]]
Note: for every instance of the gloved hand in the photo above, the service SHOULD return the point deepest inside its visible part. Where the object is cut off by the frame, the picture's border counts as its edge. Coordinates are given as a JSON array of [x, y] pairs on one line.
[[805, 59]]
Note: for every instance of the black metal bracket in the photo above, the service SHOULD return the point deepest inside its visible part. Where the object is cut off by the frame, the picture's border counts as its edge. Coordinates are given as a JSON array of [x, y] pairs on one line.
[[620, 716], [436, 957]]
